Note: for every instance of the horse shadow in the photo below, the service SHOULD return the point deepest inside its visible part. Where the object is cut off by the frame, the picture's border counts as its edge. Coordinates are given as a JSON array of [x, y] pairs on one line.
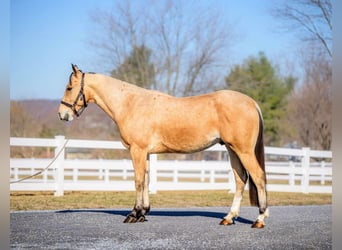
[[163, 213]]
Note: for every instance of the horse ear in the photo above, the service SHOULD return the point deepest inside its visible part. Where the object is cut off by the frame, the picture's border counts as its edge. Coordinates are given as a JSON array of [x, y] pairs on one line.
[[75, 69]]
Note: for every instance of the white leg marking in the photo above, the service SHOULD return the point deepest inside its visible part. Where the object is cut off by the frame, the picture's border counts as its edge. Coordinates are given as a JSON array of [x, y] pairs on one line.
[[236, 205], [262, 217]]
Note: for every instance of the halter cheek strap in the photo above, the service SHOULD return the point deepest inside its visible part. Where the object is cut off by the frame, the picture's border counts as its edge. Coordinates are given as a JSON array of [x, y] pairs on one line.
[[79, 96]]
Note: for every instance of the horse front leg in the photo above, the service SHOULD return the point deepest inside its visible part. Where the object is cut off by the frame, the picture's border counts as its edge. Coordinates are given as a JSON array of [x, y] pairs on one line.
[[141, 178], [146, 198]]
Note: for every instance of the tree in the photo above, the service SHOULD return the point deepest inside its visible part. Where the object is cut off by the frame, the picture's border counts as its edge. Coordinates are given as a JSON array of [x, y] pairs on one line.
[[310, 104], [21, 122], [21, 125], [47, 132], [313, 18], [137, 68], [188, 42], [259, 79], [310, 109]]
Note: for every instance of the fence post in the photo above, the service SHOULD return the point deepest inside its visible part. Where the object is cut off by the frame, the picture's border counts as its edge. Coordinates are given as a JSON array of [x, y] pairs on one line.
[[322, 175], [153, 173], [59, 165], [175, 175], [202, 174], [212, 176], [292, 180], [106, 175], [75, 175], [202, 171], [16, 174], [305, 170], [101, 170]]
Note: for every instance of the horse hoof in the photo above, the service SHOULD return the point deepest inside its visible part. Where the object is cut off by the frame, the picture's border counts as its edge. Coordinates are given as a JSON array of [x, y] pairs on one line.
[[258, 224], [141, 219], [225, 222], [130, 219]]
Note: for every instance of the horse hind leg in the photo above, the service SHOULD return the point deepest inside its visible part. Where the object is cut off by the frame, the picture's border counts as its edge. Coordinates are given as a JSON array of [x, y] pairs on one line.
[[241, 177], [258, 183]]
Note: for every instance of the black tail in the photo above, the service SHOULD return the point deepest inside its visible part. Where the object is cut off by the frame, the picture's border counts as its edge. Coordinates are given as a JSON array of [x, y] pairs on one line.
[[260, 155]]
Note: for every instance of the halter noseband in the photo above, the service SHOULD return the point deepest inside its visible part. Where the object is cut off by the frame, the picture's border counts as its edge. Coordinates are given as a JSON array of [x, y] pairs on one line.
[[80, 95]]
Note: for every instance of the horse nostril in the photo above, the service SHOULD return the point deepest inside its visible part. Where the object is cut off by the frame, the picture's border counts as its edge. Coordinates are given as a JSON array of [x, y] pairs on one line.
[[64, 117]]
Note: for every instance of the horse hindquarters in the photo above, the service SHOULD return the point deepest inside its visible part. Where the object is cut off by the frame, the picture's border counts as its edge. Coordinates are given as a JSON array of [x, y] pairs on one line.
[[251, 160], [254, 163]]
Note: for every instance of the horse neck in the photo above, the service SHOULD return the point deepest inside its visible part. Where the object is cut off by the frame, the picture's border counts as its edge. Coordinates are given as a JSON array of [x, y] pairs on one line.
[[110, 94]]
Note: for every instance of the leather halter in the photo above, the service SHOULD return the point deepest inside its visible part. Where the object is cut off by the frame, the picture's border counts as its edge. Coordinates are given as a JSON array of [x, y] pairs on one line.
[[79, 96]]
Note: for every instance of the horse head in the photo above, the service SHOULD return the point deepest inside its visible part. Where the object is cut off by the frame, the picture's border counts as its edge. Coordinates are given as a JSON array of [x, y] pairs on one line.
[[74, 99]]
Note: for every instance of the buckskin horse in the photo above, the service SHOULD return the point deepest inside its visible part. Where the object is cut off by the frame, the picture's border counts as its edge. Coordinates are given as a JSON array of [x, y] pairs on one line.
[[153, 122]]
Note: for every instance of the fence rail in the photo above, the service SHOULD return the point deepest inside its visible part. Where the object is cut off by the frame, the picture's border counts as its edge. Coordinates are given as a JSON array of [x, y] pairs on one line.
[[305, 175]]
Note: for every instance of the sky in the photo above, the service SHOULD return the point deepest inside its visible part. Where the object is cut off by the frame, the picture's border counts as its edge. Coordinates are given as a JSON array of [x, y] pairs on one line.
[[46, 37]]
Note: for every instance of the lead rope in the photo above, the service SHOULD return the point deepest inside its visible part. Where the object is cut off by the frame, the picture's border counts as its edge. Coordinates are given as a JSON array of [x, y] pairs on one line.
[[49, 165]]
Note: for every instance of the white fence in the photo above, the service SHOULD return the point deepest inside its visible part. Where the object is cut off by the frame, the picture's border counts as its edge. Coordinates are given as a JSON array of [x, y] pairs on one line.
[[306, 174]]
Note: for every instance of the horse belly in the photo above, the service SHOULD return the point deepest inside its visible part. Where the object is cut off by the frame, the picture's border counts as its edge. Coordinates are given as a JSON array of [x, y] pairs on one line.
[[188, 139]]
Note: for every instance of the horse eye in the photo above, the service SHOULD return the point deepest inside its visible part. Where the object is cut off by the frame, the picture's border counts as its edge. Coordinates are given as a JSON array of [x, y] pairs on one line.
[[69, 88]]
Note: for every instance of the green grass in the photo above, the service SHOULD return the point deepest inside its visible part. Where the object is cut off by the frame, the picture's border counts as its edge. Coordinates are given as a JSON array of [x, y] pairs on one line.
[[108, 200]]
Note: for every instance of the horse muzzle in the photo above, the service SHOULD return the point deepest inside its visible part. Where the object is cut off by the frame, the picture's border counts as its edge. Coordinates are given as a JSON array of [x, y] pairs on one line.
[[65, 116]]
